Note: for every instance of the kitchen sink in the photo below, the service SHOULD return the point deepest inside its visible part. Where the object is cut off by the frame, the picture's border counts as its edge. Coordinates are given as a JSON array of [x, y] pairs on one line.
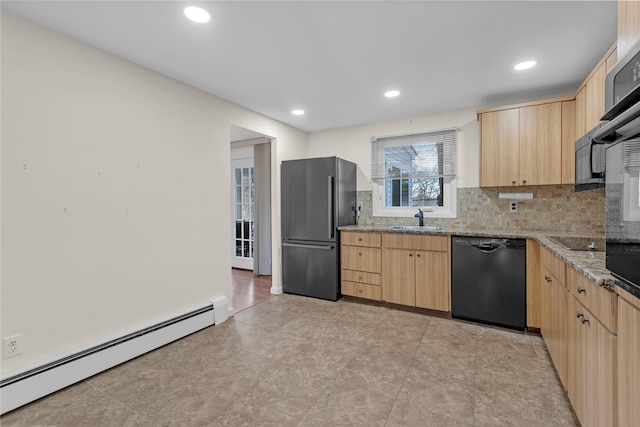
[[416, 228], [579, 243]]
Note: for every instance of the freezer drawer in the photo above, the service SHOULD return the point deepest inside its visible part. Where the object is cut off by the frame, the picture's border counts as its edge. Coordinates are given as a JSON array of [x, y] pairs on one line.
[[311, 270]]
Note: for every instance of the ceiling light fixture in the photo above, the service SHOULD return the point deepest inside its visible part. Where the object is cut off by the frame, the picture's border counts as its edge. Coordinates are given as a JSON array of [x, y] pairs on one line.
[[524, 65], [392, 93], [297, 112], [197, 14]]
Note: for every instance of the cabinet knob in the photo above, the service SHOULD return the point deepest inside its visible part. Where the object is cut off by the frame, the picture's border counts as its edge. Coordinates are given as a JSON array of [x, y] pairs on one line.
[[360, 253], [513, 182], [360, 290], [548, 279], [418, 255], [360, 277], [359, 239], [410, 254], [581, 290], [524, 181], [578, 314]]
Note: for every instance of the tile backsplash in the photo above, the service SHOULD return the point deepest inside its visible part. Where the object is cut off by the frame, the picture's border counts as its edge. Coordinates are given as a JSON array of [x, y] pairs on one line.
[[553, 207]]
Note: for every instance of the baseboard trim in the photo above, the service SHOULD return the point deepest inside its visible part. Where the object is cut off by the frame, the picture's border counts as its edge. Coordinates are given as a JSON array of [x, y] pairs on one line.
[[19, 389]]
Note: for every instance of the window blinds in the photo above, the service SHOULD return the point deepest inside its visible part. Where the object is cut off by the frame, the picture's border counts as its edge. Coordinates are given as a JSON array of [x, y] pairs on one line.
[[424, 155]]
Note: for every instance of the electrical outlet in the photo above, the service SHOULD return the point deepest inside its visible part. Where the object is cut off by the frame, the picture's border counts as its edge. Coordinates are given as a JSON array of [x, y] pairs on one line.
[[513, 206], [12, 346]]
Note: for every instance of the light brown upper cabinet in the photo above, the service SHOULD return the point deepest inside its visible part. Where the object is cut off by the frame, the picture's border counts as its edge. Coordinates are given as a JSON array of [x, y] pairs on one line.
[[521, 146], [590, 95], [628, 25], [569, 142]]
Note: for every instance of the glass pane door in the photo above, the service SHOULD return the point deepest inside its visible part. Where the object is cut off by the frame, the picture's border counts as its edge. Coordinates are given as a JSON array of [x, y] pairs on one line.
[[244, 213]]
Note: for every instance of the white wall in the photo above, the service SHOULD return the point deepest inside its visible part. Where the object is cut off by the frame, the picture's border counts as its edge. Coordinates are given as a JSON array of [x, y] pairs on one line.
[[115, 193], [354, 143]]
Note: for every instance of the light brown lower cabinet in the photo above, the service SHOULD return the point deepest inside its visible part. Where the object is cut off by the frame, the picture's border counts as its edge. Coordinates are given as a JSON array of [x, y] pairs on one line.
[[628, 361], [553, 318], [591, 367], [416, 271]]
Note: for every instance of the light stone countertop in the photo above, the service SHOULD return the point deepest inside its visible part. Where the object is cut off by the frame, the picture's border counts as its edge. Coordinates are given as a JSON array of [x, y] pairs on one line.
[[589, 264]]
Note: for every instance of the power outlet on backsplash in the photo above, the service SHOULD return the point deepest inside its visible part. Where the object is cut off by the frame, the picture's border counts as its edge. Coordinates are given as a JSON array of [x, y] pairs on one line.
[[513, 206]]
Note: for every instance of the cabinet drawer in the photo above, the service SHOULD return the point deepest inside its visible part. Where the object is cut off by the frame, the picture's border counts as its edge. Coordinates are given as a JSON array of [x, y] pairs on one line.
[[554, 264], [360, 239], [601, 302], [361, 290], [412, 241], [361, 277], [361, 258]]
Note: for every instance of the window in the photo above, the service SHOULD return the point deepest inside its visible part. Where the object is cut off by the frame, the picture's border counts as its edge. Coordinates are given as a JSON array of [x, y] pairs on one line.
[[415, 171]]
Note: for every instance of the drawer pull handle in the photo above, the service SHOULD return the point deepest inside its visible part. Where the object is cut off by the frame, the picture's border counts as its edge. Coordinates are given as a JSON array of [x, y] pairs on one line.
[[581, 317], [581, 290]]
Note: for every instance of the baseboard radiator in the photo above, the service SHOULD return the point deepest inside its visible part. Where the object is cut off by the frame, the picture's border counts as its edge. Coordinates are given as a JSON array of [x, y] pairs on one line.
[[19, 389]]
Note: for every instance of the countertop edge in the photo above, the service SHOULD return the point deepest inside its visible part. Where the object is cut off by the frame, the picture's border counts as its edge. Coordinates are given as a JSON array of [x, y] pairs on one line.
[[578, 260]]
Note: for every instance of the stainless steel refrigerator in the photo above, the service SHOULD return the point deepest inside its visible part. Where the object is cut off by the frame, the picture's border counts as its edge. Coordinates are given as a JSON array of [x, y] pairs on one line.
[[318, 196]]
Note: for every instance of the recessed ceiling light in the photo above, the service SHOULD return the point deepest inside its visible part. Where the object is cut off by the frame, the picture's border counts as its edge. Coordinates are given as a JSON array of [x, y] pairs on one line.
[[392, 93], [297, 112], [197, 14], [524, 65]]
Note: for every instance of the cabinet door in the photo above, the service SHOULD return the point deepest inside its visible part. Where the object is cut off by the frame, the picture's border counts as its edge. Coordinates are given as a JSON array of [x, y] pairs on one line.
[[581, 105], [569, 142], [575, 355], [553, 322], [499, 156], [398, 277], [594, 107], [628, 25], [600, 352], [534, 286], [628, 366], [432, 280], [540, 155]]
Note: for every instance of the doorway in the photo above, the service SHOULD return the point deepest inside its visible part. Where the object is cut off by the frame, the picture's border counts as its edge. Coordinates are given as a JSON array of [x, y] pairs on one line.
[[250, 242]]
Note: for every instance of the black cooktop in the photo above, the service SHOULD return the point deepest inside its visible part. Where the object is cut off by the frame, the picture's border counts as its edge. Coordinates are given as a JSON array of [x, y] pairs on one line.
[[579, 243]]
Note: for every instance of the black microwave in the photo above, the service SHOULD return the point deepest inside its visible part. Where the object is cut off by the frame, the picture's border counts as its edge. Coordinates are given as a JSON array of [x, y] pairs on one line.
[[590, 162]]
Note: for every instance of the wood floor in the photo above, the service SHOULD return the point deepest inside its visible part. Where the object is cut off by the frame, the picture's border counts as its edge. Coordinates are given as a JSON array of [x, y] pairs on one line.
[[249, 289]]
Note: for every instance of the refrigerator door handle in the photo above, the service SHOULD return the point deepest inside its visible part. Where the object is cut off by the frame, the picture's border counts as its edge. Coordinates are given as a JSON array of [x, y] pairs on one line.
[[299, 245], [330, 209]]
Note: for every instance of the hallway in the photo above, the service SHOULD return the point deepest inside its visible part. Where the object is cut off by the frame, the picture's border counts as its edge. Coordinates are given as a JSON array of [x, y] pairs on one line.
[[248, 289]]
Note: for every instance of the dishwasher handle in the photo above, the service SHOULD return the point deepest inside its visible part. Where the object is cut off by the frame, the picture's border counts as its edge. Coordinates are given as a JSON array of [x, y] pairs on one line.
[[488, 247]]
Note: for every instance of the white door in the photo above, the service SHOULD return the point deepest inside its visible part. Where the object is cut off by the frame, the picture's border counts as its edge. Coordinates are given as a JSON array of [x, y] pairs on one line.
[[243, 213]]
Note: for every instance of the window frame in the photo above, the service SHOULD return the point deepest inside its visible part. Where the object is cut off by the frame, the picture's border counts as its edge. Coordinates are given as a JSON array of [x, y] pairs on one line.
[[379, 209]]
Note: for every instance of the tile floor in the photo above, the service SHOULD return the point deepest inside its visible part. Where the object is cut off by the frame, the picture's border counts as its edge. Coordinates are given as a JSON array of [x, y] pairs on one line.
[[295, 361]]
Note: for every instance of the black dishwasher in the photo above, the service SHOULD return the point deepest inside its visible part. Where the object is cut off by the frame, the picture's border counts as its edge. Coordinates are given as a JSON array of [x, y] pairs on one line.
[[489, 280]]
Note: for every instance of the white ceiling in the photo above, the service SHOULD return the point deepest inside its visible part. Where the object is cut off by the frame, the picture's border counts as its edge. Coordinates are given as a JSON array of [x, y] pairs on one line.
[[335, 59]]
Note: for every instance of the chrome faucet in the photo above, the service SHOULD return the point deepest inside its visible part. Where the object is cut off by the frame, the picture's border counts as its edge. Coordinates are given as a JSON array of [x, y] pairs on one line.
[[420, 216]]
